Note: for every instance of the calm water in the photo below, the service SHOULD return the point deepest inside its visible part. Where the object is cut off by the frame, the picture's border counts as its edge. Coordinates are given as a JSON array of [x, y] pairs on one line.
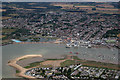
[[52, 51]]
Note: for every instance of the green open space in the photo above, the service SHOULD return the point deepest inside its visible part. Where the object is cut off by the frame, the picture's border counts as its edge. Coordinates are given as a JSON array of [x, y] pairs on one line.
[[33, 64], [76, 60]]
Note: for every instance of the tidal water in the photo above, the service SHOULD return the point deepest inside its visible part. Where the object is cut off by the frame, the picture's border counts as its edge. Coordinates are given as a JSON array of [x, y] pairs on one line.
[[49, 50]]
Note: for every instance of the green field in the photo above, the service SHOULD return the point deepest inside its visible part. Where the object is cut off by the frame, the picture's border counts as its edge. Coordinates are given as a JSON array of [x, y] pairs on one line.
[[67, 63], [33, 64], [76, 60], [8, 30]]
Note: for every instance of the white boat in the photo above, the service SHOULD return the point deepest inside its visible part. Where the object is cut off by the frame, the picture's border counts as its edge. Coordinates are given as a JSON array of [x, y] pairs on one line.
[[72, 44], [68, 45], [89, 46]]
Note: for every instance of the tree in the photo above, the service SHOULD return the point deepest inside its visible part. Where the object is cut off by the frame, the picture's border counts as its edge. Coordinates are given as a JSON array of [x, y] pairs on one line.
[[69, 71], [64, 72], [93, 8]]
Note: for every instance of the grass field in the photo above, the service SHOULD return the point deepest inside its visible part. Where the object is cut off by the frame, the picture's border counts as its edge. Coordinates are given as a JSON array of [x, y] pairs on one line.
[[84, 6], [37, 64], [6, 18], [63, 5], [13, 14], [55, 63], [68, 62], [96, 64], [32, 3], [33, 64], [39, 7], [103, 12], [107, 9], [2, 10], [6, 32], [105, 5], [17, 71], [100, 65], [2, 36], [9, 30], [46, 66]]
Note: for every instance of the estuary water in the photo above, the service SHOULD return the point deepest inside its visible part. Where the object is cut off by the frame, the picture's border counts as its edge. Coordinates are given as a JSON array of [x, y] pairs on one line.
[[49, 50]]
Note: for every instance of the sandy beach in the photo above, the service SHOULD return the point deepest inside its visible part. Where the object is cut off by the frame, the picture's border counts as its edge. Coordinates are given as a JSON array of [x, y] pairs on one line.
[[22, 70]]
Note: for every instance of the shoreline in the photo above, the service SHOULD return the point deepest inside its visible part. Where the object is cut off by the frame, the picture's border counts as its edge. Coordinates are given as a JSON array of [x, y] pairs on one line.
[[56, 42], [22, 70], [13, 63], [31, 42]]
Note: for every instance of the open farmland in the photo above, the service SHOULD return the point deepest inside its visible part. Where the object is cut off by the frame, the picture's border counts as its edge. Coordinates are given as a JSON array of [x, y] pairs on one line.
[[3, 18], [107, 9], [84, 6], [2, 10], [39, 7]]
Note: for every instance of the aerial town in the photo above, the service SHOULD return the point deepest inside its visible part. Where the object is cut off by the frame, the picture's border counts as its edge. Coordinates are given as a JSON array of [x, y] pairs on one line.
[[74, 72], [34, 24], [42, 31]]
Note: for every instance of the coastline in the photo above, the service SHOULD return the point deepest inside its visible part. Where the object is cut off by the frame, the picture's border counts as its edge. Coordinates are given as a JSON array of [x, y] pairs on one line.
[[54, 62], [13, 63], [31, 42], [55, 42], [90, 64]]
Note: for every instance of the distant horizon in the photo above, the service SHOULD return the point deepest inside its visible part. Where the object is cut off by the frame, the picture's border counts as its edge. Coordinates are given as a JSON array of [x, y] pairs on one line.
[[60, 0]]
